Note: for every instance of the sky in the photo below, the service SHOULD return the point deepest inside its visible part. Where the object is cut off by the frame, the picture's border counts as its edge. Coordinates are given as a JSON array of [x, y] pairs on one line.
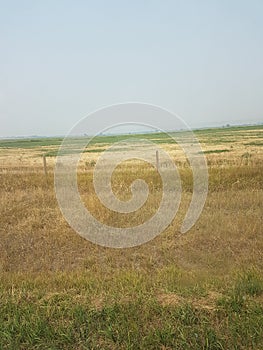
[[61, 60]]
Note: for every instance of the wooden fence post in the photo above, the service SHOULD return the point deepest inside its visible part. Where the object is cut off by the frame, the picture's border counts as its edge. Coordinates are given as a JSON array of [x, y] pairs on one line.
[[157, 160], [45, 165]]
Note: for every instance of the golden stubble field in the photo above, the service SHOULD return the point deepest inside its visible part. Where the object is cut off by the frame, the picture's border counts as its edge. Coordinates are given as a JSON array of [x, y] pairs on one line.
[[41, 257]]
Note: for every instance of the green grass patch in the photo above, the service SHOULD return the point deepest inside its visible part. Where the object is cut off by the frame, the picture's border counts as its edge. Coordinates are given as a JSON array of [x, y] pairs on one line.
[[30, 143], [54, 153], [124, 311], [254, 143], [215, 151]]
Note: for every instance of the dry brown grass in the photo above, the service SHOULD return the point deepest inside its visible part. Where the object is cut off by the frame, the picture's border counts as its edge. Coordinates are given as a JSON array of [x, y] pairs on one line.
[[36, 237]]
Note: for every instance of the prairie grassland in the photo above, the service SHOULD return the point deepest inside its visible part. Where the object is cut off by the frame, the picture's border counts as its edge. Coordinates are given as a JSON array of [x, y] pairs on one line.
[[200, 290]]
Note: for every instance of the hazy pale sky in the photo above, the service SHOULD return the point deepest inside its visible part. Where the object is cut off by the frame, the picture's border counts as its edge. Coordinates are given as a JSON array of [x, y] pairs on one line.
[[61, 60]]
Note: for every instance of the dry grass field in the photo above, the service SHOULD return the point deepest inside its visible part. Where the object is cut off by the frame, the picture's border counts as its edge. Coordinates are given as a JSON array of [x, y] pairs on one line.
[[199, 290]]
